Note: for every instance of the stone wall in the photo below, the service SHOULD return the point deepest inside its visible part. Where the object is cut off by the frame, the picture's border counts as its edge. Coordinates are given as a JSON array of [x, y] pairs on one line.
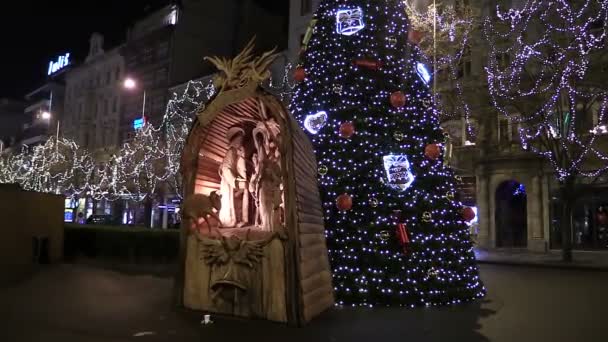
[[24, 216]]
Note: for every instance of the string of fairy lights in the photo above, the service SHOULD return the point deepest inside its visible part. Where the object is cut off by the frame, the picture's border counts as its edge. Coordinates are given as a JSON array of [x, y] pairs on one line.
[[149, 161], [548, 53]]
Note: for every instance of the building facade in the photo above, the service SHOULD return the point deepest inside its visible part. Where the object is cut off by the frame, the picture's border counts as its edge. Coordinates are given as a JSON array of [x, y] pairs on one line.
[[300, 14], [93, 98], [12, 121], [147, 54]]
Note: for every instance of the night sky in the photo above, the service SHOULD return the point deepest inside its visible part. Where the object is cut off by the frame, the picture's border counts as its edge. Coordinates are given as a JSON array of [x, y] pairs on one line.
[[34, 32]]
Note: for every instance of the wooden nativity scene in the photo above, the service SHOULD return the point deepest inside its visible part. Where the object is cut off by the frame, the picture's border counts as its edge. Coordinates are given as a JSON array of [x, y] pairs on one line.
[[253, 242]]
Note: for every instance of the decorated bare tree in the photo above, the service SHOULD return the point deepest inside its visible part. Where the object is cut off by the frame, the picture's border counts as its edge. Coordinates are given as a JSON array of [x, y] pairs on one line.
[[444, 33], [545, 74]]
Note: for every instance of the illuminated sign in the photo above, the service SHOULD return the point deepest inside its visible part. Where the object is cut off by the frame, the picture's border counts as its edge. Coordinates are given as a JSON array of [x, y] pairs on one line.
[[139, 123], [62, 62]]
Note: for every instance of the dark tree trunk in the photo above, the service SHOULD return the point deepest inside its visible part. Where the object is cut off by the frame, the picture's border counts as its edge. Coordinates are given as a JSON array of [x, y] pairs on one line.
[[148, 211], [567, 194]]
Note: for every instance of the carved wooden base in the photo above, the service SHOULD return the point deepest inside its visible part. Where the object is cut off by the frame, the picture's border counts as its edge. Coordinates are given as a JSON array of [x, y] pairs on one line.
[[231, 286]]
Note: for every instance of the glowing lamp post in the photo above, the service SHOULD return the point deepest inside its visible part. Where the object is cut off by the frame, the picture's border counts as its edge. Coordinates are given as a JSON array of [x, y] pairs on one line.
[[131, 84]]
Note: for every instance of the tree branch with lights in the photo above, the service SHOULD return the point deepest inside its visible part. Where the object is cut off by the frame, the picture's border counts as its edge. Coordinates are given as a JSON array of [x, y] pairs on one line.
[[550, 88]]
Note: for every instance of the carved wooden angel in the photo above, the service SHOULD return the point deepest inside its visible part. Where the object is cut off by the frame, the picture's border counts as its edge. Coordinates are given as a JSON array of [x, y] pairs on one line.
[[233, 260]]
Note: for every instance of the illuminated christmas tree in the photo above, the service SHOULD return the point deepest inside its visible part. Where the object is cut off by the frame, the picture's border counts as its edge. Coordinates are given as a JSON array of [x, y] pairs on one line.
[[396, 233]]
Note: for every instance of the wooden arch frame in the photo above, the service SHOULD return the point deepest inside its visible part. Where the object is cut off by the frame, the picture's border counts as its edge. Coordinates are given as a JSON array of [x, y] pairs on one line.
[[308, 284]]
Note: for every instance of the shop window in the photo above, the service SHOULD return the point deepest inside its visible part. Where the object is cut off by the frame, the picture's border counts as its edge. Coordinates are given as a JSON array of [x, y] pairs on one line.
[[589, 222]]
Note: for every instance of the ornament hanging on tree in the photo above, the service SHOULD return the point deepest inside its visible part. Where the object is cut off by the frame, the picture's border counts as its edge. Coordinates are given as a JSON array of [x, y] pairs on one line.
[[349, 21], [427, 102], [347, 129], [414, 36], [403, 237], [398, 170], [432, 273], [427, 217], [374, 202], [323, 170], [344, 202], [314, 122], [432, 151], [468, 214], [397, 99], [458, 179], [368, 64], [398, 136], [299, 74], [337, 88], [384, 235], [449, 196], [392, 41]]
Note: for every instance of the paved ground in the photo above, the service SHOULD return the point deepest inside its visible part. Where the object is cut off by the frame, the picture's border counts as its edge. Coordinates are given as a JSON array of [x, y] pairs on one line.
[[76, 303], [597, 260]]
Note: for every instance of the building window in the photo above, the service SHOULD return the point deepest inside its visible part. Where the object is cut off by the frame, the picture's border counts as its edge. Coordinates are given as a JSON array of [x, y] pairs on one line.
[[147, 55], [503, 130], [305, 7], [461, 6], [115, 105], [464, 66], [162, 50], [504, 60], [131, 62]]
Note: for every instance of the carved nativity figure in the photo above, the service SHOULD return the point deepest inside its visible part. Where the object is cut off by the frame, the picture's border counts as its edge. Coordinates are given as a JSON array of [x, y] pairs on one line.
[[198, 206], [233, 174], [266, 182]]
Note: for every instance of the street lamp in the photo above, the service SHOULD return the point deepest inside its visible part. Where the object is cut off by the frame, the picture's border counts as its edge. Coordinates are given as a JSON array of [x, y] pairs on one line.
[[46, 115], [131, 84]]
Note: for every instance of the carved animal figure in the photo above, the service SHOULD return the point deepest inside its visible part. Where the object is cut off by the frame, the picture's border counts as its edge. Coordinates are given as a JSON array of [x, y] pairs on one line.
[[199, 205]]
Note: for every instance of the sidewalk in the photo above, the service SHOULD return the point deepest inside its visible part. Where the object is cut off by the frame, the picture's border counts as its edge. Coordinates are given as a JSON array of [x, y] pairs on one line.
[[586, 260]]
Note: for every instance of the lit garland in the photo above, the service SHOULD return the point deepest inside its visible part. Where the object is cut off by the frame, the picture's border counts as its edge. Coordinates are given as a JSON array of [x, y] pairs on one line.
[[543, 60], [369, 266], [134, 172]]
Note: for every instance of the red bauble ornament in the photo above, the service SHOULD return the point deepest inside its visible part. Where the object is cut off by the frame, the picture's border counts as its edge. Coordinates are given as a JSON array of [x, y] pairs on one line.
[[398, 99], [602, 218], [414, 36], [368, 64], [432, 151], [344, 202], [347, 129], [468, 214], [299, 74]]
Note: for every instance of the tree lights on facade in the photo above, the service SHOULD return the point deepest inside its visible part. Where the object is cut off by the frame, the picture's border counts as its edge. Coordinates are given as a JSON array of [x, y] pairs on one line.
[[543, 79], [401, 242], [544, 62]]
